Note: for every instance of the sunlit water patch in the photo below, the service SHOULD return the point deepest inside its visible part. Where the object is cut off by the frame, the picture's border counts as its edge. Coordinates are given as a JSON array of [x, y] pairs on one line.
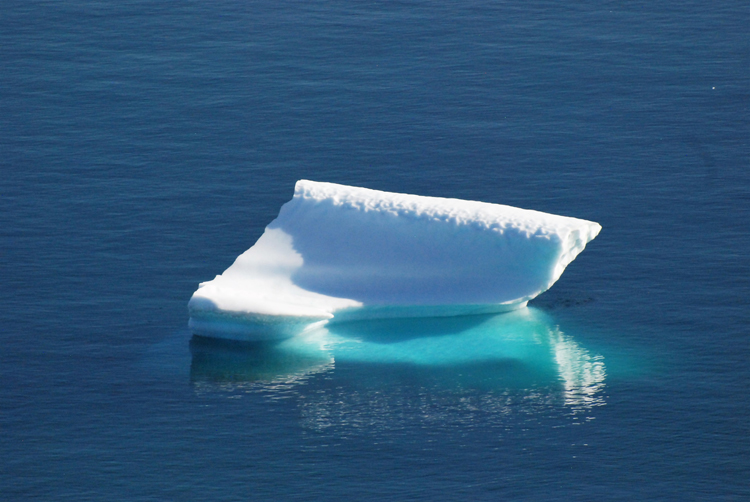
[[386, 374]]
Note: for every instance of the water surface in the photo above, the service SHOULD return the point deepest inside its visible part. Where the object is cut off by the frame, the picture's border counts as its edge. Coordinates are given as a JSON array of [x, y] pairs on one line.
[[144, 146]]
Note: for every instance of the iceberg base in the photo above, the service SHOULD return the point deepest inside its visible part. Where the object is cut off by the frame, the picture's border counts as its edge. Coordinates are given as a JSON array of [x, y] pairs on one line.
[[259, 328], [249, 328]]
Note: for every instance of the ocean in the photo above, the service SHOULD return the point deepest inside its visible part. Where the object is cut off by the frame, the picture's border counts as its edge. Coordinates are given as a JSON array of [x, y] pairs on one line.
[[144, 145]]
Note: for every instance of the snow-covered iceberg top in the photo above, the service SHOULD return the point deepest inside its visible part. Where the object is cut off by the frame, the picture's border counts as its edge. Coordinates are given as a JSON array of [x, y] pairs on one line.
[[340, 252]]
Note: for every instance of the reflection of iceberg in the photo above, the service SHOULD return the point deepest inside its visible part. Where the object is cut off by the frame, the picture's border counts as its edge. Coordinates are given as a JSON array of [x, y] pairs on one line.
[[437, 369], [228, 364], [353, 253], [581, 374]]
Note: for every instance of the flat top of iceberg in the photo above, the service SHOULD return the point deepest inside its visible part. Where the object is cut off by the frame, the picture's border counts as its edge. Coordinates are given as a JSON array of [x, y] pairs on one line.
[[345, 252]]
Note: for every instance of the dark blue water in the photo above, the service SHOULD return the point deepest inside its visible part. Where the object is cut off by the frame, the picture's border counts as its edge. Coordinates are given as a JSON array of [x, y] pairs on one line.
[[144, 145]]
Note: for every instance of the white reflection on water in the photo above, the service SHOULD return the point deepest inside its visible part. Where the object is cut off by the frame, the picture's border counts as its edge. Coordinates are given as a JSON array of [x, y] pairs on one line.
[[581, 373], [379, 374]]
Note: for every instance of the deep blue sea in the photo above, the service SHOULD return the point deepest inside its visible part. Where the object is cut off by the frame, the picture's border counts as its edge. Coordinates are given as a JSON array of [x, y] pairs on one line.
[[144, 145]]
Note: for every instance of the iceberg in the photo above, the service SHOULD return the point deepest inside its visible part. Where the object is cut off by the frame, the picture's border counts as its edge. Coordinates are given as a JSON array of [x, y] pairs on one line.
[[340, 253]]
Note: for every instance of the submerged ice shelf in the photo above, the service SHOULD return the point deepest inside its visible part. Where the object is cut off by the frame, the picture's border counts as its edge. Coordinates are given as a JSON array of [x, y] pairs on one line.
[[339, 253]]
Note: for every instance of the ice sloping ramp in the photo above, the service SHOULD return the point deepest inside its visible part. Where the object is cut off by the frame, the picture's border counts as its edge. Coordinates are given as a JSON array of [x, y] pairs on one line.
[[337, 252]]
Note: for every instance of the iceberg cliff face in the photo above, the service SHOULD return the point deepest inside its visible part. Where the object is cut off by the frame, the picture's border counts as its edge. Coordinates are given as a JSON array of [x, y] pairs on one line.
[[339, 252]]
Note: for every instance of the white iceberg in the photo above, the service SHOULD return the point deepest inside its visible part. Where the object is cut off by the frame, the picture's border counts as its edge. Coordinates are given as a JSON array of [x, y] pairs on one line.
[[338, 253]]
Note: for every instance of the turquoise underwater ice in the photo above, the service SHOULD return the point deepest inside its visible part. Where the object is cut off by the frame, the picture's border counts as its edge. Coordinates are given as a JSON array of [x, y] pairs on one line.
[[520, 350]]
